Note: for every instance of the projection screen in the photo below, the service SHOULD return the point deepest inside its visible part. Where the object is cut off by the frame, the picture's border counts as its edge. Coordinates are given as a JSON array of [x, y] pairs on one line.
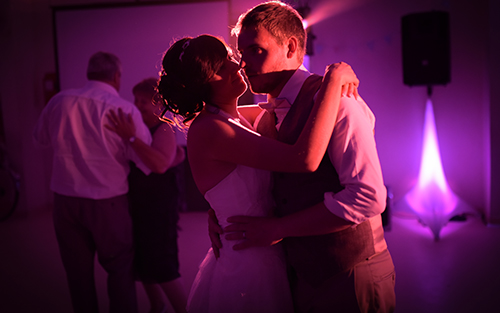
[[137, 33]]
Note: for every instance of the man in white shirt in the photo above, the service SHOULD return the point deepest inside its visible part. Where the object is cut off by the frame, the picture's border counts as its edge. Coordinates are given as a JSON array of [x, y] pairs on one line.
[[89, 179], [329, 220]]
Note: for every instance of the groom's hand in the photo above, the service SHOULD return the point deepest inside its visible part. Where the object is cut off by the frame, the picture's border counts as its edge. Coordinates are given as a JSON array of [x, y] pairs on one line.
[[214, 232], [253, 231]]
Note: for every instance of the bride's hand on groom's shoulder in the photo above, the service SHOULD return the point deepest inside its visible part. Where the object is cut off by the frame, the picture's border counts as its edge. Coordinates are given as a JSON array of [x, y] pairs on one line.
[[252, 231]]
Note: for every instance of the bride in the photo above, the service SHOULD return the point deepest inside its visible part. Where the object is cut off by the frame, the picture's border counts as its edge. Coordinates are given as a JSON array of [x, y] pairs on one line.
[[230, 163]]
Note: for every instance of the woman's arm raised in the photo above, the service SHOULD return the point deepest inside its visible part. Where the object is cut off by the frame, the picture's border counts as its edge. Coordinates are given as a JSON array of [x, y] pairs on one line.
[[163, 152]]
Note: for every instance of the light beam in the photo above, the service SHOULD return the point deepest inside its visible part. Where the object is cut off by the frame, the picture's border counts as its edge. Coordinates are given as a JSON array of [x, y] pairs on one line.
[[329, 8]]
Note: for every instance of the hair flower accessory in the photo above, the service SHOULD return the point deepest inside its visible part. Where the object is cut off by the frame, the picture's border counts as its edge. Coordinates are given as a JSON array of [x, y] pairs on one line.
[[184, 46]]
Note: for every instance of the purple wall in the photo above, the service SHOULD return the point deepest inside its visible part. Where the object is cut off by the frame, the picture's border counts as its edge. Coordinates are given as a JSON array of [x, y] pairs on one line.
[[368, 36], [364, 33]]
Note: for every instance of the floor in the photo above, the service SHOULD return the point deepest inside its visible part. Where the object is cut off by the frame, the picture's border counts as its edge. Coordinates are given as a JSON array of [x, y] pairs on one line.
[[458, 273]]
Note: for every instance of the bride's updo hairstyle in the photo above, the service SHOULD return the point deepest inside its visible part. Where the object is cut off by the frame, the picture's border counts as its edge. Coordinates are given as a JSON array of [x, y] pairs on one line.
[[188, 65]]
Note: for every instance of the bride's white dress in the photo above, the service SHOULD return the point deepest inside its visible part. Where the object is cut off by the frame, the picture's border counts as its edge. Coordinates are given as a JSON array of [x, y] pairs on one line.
[[251, 280]]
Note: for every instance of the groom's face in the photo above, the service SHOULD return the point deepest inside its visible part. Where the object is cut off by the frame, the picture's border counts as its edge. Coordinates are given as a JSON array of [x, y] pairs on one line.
[[262, 59]]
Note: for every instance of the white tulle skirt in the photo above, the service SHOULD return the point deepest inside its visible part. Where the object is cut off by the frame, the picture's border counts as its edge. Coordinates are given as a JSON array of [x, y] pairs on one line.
[[248, 281]]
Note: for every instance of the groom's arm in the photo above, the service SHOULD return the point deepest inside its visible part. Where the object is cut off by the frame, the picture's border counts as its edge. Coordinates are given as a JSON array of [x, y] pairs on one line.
[[263, 231]]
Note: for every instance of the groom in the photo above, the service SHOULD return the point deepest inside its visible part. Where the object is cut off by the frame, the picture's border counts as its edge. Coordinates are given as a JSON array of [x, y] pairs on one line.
[[329, 221]]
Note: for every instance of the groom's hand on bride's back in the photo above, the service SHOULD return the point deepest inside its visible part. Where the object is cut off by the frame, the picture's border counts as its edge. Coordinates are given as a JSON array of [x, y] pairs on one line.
[[214, 232], [252, 231]]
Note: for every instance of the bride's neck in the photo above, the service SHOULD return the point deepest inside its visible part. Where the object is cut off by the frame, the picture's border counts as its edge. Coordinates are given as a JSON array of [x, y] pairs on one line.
[[229, 108]]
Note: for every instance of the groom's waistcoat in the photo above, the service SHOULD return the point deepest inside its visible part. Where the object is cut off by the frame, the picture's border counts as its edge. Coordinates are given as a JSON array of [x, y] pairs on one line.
[[315, 258]]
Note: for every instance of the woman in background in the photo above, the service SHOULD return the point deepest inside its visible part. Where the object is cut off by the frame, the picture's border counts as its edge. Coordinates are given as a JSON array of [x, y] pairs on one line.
[[154, 201]]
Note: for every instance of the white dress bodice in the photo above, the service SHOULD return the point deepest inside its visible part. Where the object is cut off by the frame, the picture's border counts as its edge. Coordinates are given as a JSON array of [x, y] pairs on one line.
[[250, 280]]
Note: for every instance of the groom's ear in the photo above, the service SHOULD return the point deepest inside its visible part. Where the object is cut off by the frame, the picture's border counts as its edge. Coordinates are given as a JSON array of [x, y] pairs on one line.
[[292, 46]]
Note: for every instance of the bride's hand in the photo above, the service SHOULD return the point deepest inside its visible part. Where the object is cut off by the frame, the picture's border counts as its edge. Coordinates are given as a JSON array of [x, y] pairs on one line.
[[253, 231], [343, 72]]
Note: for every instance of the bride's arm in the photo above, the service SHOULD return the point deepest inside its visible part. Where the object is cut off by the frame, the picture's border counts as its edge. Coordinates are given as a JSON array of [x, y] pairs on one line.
[[226, 142], [250, 112]]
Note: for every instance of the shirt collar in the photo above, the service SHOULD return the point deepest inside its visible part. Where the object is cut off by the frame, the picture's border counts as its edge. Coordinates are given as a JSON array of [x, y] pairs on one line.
[[103, 86], [292, 87]]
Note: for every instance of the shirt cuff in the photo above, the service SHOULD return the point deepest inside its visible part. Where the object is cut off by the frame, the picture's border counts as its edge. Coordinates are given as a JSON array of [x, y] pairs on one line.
[[335, 207]]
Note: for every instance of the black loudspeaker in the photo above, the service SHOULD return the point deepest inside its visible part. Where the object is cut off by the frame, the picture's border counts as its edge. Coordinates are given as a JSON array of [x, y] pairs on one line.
[[426, 48]]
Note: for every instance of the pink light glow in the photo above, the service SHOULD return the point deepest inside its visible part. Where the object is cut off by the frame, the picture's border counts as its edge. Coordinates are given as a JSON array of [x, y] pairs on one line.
[[328, 8], [305, 24], [431, 169], [432, 199]]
